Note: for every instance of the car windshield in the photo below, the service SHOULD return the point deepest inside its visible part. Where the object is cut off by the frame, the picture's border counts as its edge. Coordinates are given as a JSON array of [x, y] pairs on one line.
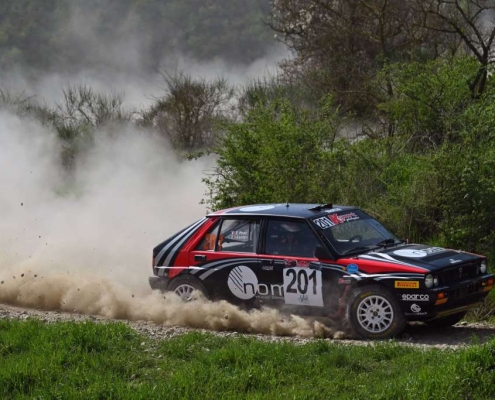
[[352, 231]]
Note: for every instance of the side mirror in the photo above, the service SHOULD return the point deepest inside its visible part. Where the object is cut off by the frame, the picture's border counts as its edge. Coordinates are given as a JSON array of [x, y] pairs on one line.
[[322, 253]]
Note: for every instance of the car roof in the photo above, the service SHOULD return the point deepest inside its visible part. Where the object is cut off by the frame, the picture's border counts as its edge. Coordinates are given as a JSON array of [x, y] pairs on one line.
[[297, 210]]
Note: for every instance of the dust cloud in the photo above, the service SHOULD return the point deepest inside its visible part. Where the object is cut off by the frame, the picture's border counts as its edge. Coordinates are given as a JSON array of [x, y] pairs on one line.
[[81, 242]]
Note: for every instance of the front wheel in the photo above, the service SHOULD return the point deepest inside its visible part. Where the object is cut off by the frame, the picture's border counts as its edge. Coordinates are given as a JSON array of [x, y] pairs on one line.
[[185, 286], [374, 313], [446, 321]]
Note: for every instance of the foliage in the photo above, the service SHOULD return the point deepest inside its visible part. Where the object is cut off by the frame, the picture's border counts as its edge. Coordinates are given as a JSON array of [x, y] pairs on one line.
[[429, 100], [276, 154], [398, 188], [432, 181]]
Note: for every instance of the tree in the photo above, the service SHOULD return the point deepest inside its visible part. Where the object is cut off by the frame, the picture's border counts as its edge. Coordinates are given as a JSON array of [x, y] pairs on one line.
[[472, 22], [340, 45], [191, 111]]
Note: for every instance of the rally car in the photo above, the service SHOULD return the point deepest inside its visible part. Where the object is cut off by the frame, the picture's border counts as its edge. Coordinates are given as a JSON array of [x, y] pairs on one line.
[[324, 260]]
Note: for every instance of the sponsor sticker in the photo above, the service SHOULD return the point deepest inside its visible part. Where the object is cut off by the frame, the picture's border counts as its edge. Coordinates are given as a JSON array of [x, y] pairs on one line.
[[415, 297], [332, 210], [339, 219], [406, 284], [415, 308], [241, 236], [323, 222], [352, 268], [344, 281], [296, 263], [243, 283], [303, 286], [411, 253], [415, 314]]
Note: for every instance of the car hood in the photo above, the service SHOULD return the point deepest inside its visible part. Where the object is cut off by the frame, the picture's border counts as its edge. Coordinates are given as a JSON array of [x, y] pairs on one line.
[[423, 256]]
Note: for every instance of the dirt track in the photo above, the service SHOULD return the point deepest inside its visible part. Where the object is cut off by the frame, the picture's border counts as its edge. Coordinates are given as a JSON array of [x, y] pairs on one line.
[[463, 334]]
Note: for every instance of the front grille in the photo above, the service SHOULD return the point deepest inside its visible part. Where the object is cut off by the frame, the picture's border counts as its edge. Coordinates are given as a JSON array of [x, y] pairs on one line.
[[460, 273]]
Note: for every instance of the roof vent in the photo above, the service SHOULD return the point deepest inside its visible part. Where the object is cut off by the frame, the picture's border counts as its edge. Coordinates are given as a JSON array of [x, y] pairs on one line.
[[321, 207]]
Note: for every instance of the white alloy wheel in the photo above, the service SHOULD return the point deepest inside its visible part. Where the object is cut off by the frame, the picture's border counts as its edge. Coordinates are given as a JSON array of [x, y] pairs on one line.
[[375, 314], [184, 291]]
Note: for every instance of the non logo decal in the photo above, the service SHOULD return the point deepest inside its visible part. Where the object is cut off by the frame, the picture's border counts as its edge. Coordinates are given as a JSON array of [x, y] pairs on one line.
[[406, 284], [415, 297], [302, 286], [343, 281], [415, 308], [243, 282], [352, 268], [256, 208], [410, 253]]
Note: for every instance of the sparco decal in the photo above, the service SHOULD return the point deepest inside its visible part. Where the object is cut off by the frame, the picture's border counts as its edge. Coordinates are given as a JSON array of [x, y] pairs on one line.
[[243, 283], [410, 253], [406, 284], [415, 297]]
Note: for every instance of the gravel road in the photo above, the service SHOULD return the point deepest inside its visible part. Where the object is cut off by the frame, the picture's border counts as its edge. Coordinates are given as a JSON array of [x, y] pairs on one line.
[[461, 335]]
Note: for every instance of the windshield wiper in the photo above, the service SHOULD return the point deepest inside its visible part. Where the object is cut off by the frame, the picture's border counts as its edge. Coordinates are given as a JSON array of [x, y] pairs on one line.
[[388, 241], [359, 248]]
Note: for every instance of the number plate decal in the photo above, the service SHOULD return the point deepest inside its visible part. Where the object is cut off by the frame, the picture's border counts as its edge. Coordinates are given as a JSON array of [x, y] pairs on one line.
[[302, 286]]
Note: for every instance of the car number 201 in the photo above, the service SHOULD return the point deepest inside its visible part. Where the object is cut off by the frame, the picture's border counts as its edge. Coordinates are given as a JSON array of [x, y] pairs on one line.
[[302, 286]]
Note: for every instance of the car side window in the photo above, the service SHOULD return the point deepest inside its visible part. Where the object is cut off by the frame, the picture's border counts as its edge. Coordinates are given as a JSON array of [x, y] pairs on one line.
[[209, 240], [290, 238], [239, 235]]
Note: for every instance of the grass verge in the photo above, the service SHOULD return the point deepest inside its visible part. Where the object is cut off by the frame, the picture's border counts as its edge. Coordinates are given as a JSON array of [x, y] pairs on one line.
[[105, 361]]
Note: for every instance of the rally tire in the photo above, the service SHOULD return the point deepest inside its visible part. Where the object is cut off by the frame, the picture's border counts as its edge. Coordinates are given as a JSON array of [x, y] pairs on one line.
[[374, 313], [187, 287], [447, 321]]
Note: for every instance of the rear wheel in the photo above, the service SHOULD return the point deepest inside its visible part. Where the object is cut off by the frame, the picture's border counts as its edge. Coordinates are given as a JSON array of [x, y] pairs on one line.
[[185, 286], [446, 321], [374, 313]]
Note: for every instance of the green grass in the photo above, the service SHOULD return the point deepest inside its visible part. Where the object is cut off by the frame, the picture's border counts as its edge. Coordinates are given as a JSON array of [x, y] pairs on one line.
[[104, 361]]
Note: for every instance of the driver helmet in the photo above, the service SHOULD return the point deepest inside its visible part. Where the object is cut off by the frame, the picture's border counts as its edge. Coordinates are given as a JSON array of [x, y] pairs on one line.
[[291, 227]]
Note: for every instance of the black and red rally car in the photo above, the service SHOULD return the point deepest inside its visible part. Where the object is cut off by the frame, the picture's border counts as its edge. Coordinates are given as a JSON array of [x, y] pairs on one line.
[[331, 261]]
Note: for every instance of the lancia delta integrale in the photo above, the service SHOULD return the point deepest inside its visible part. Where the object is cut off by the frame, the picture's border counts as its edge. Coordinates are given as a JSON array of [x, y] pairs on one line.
[[332, 261]]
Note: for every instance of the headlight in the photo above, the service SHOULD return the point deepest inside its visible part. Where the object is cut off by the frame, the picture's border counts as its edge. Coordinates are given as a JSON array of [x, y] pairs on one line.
[[429, 281], [483, 267], [435, 280]]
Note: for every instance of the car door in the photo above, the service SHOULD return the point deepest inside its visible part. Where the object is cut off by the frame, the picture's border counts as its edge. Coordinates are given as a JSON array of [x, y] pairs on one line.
[[288, 248], [226, 259]]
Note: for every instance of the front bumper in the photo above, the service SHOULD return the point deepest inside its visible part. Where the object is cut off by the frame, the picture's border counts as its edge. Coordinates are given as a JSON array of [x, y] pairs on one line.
[[158, 283], [446, 300]]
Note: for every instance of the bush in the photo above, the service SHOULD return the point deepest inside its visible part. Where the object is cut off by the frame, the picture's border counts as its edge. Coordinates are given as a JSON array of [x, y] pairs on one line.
[[277, 154]]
